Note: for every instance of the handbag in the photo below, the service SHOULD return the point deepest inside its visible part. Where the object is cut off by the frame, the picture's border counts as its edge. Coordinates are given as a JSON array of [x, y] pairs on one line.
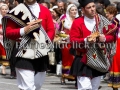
[[52, 60], [99, 58]]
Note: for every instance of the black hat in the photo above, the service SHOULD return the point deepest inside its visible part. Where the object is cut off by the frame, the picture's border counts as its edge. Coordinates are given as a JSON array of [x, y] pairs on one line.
[[20, 1], [83, 3]]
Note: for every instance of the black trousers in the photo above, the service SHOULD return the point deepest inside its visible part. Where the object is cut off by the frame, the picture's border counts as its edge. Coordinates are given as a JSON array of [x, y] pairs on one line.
[[12, 61]]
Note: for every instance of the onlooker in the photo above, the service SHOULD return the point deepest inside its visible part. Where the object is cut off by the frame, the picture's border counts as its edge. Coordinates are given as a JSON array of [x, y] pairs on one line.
[[104, 3], [46, 4], [100, 10], [16, 2], [53, 2], [118, 7], [62, 7]]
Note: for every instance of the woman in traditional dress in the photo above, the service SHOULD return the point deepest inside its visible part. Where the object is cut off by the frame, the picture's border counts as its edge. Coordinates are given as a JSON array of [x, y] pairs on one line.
[[114, 79], [67, 58], [3, 10], [111, 12]]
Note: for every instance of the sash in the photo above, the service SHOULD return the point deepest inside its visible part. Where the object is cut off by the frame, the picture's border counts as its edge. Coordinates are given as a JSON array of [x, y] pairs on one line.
[[35, 44], [100, 58]]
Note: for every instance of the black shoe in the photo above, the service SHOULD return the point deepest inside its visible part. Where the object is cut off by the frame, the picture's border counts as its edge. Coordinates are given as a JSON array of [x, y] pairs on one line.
[[63, 83], [71, 80], [115, 88], [100, 87], [12, 77], [3, 74]]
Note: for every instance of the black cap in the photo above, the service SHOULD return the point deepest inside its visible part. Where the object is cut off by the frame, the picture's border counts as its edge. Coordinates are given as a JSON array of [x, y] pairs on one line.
[[20, 1], [83, 3]]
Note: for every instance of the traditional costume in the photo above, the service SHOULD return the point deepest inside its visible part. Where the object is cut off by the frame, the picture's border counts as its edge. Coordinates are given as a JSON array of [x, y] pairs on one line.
[[114, 80], [87, 77], [2, 53], [32, 57], [3, 60], [67, 57]]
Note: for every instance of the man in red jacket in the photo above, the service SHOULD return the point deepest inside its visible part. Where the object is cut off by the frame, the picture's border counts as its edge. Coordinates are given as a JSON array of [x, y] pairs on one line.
[[31, 24], [89, 77]]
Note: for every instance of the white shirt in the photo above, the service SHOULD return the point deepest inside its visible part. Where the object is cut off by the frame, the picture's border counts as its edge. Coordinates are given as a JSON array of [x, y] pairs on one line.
[[89, 23], [35, 8]]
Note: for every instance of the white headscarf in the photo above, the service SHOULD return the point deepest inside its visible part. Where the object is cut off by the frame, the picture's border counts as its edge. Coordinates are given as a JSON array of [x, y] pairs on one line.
[[68, 23]]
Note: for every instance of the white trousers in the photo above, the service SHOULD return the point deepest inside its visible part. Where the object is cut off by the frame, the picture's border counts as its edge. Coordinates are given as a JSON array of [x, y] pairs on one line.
[[86, 83], [28, 80]]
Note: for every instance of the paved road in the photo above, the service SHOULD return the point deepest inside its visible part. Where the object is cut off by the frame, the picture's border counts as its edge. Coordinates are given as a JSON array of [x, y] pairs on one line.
[[52, 82]]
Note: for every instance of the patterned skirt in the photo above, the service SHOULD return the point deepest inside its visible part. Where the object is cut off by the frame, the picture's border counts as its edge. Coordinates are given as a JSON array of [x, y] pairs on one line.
[[114, 80], [3, 60], [2, 52], [67, 60]]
